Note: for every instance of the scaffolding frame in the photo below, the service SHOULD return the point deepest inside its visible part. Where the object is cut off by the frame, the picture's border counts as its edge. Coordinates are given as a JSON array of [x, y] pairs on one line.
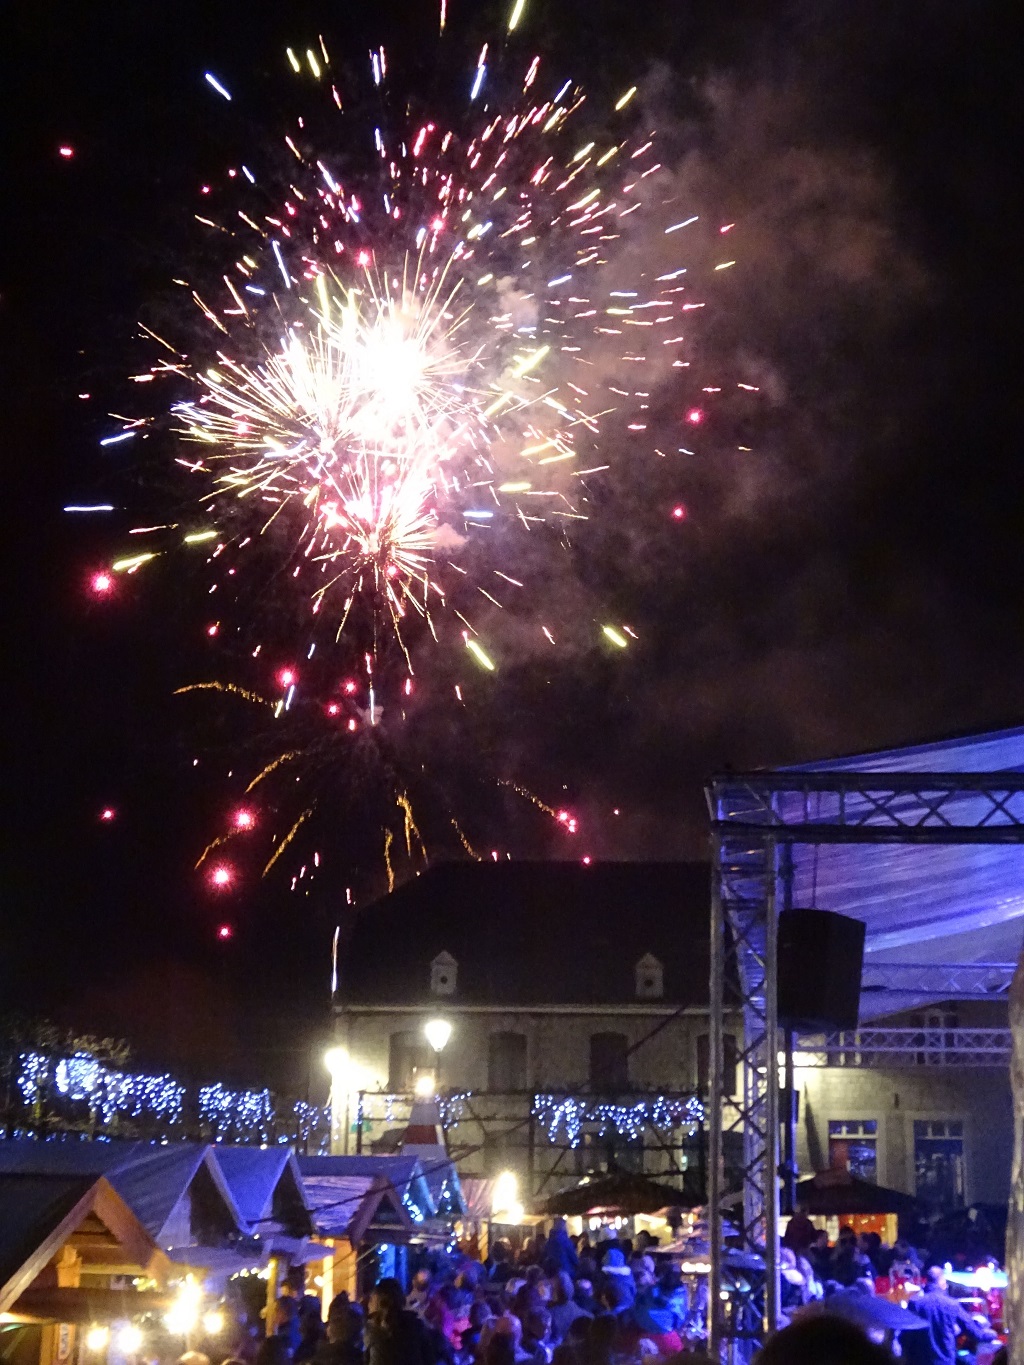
[[512, 1116], [756, 819]]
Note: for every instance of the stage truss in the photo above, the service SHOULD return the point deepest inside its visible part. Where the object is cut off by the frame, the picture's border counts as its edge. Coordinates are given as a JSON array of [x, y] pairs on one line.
[[756, 819]]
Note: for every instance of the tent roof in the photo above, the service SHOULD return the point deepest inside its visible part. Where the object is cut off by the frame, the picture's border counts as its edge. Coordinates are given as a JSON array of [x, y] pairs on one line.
[[922, 904]]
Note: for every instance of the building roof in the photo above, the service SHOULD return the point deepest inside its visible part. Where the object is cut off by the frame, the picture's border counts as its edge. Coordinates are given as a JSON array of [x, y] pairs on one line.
[[266, 1185], [403, 1171], [39, 1212], [150, 1179], [602, 919]]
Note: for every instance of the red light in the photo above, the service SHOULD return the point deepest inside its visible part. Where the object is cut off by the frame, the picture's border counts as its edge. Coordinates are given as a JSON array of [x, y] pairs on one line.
[[333, 709], [224, 932], [102, 583], [66, 152], [679, 513], [437, 224], [212, 629], [587, 860], [350, 687], [221, 876], [108, 813], [363, 258], [351, 725], [287, 677], [563, 816], [695, 416], [244, 819]]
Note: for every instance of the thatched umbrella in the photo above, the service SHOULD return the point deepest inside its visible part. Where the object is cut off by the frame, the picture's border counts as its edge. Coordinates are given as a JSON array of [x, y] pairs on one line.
[[833, 1193], [619, 1194]]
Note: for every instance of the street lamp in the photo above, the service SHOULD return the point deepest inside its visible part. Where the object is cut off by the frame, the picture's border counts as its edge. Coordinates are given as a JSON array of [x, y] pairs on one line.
[[437, 1032]]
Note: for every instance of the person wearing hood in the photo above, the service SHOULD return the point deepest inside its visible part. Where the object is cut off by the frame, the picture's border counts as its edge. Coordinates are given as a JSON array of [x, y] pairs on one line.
[[616, 1274], [560, 1254]]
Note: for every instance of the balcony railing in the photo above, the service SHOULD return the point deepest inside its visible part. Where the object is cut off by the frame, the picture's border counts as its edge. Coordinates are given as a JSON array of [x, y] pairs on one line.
[[899, 1047]]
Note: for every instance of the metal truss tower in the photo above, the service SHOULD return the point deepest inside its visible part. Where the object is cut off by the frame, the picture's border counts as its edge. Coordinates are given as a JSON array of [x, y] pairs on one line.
[[756, 819]]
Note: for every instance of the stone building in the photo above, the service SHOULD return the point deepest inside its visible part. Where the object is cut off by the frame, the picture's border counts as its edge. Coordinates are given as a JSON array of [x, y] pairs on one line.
[[577, 1003]]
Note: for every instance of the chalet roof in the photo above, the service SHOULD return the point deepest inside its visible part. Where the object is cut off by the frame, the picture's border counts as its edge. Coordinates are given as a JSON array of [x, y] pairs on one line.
[[266, 1185], [532, 933], [150, 1179], [405, 1172], [39, 1212], [33, 1206]]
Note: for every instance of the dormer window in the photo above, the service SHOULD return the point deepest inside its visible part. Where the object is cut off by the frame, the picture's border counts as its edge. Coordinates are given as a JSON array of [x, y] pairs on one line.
[[444, 973], [650, 978]]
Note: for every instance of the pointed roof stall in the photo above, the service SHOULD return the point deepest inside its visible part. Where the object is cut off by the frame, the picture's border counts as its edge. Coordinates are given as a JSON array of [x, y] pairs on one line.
[[177, 1192], [266, 1184], [359, 1208], [404, 1171], [57, 1228], [424, 1138]]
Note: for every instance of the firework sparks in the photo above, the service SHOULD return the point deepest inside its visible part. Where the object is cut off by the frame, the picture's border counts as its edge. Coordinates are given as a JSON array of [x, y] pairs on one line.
[[404, 370]]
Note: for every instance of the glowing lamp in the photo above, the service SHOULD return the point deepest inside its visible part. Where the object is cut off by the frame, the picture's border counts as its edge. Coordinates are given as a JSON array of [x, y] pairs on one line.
[[335, 1060], [96, 1338], [129, 1339], [437, 1033], [424, 1086]]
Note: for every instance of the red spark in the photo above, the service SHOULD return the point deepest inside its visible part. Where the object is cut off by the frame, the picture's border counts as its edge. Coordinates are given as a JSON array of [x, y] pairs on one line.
[[101, 583], [437, 224], [350, 687], [587, 861], [66, 152], [695, 416], [225, 931], [213, 628], [333, 708], [108, 813], [563, 816], [363, 258], [221, 876], [244, 818], [351, 725], [679, 512], [287, 677]]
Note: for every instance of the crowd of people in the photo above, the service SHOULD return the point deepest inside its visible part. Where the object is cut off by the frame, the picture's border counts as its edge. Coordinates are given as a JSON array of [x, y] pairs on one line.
[[560, 1301]]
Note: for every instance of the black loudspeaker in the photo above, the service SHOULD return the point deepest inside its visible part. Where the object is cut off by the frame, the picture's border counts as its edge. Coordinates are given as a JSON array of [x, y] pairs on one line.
[[821, 955]]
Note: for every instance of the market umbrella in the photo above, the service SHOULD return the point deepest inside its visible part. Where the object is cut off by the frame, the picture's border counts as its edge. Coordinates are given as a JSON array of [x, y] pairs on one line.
[[833, 1193], [620, 1193]]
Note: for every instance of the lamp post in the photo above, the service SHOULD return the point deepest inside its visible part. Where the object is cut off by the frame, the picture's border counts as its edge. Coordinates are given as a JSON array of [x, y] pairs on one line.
[[437, 1033]]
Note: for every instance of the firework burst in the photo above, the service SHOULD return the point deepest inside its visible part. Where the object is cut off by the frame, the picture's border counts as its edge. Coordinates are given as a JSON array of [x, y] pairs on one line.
[[411, 366]]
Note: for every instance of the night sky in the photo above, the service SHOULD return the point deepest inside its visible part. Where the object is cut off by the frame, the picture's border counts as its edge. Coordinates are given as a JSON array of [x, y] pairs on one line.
[[851, 581]]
